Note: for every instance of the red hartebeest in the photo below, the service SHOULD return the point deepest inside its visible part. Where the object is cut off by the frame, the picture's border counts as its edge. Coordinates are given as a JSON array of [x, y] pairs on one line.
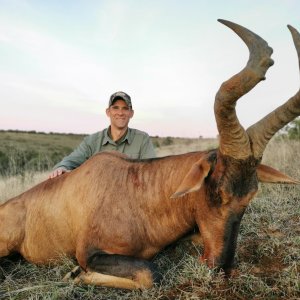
[[113, 213]]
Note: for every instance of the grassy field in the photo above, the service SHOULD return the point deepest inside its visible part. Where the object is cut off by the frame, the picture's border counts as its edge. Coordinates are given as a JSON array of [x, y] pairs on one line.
[[268, 253], [22, 151], [29, 151]]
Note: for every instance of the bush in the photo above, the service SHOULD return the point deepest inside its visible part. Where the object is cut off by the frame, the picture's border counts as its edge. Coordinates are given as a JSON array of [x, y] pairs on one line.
[[17, 162], [168, 141]]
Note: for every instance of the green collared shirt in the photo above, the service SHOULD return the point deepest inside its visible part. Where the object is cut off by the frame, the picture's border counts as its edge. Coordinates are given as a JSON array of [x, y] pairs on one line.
[[135, 144]]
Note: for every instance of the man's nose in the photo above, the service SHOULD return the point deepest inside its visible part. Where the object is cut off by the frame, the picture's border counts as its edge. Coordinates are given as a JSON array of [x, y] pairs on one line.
[[120, 111]]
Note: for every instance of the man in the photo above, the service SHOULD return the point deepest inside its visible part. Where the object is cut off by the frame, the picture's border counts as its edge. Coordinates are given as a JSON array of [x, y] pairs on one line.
[[117, 137]]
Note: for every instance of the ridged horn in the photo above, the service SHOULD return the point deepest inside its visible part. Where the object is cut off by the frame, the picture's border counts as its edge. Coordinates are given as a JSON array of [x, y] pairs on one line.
[[234, 140], [261, 132]]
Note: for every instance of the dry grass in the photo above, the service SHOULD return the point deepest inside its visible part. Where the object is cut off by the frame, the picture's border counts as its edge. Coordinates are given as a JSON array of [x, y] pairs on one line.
[[15, 185], [180, 146], [268, 255]]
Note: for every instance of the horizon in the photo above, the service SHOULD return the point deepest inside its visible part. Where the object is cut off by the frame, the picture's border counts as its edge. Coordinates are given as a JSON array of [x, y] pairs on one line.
[[73, 133]]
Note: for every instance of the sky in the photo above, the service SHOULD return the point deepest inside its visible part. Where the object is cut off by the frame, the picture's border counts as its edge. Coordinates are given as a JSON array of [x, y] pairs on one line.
[[61, 60]]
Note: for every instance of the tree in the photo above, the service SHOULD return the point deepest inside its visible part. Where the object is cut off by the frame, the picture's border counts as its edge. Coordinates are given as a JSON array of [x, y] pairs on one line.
[[292, 130]]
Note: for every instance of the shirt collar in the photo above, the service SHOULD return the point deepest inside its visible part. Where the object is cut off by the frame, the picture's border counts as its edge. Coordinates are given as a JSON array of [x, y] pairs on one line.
[[107, 138]]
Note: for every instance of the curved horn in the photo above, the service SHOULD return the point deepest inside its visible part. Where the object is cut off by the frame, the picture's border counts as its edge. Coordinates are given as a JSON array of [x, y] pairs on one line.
[[261, 132], [233, 139]]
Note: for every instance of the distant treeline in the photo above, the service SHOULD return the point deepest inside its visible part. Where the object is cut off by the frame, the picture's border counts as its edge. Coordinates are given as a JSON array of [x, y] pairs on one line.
[[40, 132]]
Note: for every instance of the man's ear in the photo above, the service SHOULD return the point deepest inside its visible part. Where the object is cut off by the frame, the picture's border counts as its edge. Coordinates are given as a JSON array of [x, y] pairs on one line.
[[270, 175], [194, 178], [132, 113], [107, 112]]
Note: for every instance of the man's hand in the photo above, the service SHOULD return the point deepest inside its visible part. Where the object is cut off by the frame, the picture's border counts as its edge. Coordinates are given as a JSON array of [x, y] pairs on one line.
[[58, 172]]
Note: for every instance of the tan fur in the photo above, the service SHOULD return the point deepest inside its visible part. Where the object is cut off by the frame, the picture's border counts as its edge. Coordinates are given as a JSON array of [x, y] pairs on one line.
[[270, 175], [81, 209], [194, 178], [142, 280]]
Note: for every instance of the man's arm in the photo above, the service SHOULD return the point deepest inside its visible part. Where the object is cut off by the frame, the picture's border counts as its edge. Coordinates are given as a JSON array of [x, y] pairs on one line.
[[74, 160]]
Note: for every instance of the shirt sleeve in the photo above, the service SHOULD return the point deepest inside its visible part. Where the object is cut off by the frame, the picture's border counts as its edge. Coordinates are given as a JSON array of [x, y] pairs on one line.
[[147, 148], [77, 157]]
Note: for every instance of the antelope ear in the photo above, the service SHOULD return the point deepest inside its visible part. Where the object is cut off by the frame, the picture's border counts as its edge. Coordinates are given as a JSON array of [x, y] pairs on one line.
[[270, 175], [194, 178]]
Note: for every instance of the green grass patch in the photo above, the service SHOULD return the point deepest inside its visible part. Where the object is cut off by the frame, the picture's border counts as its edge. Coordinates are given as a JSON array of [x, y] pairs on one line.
[[30, 151]]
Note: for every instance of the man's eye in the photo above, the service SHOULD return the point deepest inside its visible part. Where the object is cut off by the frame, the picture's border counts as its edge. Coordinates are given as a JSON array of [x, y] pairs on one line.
[[125, 108]]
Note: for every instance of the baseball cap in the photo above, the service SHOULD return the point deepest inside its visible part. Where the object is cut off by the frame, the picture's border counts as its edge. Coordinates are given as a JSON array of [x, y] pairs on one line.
[[120, 96]]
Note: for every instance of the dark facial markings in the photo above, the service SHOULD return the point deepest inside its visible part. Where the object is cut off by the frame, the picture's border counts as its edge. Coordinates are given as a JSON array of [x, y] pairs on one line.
[[242, 176], [232, 226], [236, 178]]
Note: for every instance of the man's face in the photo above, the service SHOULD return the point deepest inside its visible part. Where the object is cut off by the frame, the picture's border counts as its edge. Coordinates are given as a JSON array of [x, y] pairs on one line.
[[119, 114]]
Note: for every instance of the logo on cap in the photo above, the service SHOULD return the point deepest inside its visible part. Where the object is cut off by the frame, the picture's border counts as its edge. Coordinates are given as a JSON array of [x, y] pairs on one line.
[[120, 96]]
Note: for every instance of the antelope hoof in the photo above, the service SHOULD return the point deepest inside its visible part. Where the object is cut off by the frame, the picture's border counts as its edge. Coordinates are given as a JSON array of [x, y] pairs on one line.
[[73, 274]]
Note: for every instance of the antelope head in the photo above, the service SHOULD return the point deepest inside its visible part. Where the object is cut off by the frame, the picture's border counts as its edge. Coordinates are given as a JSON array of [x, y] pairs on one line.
[[229, 177]]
